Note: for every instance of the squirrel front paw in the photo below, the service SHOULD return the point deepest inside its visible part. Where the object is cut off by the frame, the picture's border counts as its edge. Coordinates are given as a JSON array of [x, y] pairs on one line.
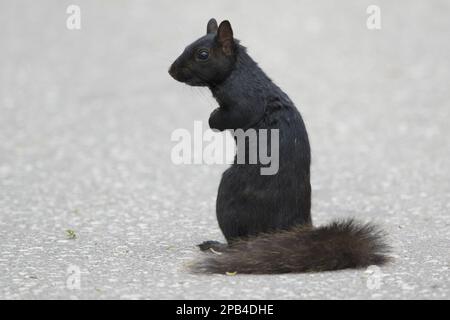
[[216, 120]]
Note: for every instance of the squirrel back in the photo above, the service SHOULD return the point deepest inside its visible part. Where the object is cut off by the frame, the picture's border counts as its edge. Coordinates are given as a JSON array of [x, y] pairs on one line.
[[266, 219]]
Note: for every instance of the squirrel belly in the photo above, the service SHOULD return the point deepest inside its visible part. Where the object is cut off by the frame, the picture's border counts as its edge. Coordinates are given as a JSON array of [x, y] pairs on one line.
[[266, 219], [249, 203]]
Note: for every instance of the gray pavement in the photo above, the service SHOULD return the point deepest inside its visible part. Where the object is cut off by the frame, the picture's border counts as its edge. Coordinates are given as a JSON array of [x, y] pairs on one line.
[[85, 124]]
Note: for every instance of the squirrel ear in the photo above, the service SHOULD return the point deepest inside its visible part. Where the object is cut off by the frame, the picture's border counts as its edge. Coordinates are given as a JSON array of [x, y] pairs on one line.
[[225, 37], [212, 26]]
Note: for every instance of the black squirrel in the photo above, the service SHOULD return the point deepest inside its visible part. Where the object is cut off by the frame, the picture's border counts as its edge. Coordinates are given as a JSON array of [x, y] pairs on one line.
[[266, 219]]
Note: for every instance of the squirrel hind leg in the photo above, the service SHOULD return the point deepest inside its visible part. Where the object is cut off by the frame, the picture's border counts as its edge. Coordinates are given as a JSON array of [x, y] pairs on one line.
[[212, 245]]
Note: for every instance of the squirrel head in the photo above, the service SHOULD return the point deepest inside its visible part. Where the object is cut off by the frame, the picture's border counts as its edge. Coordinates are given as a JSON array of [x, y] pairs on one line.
[[208, 60]]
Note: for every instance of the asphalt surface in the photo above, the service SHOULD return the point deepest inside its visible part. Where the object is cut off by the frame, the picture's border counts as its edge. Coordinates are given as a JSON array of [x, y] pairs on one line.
[[86, 118]]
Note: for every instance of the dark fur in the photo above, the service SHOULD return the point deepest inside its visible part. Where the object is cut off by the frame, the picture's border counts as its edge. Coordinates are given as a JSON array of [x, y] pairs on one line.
[[339, 245], [266, 218]]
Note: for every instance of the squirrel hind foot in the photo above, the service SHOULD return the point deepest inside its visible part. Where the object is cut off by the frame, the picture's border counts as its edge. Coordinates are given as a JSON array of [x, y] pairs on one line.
[[212, 246]]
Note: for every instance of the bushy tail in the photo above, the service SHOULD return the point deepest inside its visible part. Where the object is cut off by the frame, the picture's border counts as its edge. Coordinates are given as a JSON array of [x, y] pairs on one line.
[[339, 245]]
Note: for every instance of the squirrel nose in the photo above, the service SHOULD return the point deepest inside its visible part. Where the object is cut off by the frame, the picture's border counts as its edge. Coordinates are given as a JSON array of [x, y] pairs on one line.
[[176, 72], [172, 70]]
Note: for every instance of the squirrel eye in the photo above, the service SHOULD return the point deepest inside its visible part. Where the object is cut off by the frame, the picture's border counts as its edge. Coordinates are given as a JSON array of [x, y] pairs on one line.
[[203, 54]]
